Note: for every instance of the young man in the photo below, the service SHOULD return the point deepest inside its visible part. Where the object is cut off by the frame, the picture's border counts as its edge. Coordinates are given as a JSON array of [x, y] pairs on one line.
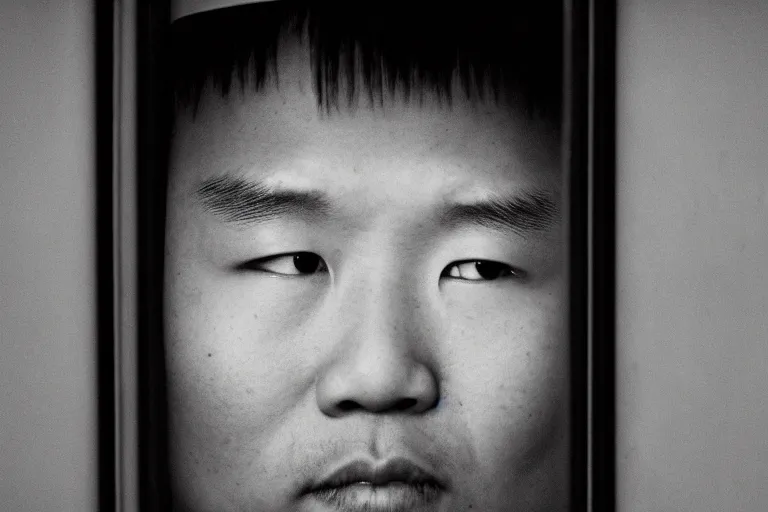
[[365, 290]]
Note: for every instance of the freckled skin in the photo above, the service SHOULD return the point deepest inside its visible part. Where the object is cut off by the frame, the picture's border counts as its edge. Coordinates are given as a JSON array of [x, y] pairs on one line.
[[258, 364]]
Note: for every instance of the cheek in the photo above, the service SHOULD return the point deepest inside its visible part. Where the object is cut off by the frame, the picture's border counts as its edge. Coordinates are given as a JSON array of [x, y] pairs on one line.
[[236, 359], [509, 372]]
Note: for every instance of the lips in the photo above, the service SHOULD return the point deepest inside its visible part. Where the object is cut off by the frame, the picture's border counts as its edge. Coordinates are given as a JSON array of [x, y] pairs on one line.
[[393, 485]]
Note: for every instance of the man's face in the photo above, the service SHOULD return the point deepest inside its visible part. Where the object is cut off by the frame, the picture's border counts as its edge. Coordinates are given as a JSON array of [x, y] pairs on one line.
[[365, 311]]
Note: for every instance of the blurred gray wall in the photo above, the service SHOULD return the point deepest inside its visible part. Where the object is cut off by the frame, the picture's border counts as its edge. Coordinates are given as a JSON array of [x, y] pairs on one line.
[[693, 255], [47, 341]]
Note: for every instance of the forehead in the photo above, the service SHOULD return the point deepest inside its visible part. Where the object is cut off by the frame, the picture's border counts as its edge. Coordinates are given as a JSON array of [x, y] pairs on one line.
[[423, 141]]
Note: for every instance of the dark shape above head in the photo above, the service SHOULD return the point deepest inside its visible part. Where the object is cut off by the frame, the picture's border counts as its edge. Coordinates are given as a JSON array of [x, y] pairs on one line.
[[415, 46]]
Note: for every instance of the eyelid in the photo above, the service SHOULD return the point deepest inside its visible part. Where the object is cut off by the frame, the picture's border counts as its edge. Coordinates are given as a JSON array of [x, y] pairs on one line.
[[252, 264], [516, 272], [257, 264]]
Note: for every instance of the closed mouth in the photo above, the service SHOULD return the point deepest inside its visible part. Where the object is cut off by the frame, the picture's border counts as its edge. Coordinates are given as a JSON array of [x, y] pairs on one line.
[[395, 485]]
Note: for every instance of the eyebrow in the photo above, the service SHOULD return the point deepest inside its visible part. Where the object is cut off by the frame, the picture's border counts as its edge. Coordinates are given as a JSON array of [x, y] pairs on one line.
[[521, 214], [239, 201]]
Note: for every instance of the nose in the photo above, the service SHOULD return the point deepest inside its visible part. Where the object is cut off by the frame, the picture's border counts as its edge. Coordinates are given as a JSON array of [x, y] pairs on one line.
[[381, 364]]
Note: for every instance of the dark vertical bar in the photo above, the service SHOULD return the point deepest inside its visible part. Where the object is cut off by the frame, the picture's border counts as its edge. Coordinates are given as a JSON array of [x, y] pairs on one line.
[[153, 117], [105, 287], [604, 254], [577, 143]]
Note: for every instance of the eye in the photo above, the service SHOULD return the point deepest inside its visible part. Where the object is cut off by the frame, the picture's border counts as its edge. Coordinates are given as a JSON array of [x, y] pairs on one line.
[[480, 270], [294, 264]]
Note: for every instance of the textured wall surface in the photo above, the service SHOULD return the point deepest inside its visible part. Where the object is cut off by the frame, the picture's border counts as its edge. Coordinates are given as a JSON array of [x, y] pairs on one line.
[[47, 267], [693, 255]]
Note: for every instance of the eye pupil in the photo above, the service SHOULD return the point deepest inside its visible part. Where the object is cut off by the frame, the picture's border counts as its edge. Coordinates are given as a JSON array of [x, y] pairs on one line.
[[306, 263], [490, 270]]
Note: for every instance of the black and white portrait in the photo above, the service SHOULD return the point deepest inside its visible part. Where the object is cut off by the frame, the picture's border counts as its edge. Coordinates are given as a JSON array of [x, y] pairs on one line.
[[365, 289]]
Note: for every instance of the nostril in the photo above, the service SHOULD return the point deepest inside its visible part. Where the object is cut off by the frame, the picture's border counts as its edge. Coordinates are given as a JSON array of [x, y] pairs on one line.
[[405, 404], [348, 405]]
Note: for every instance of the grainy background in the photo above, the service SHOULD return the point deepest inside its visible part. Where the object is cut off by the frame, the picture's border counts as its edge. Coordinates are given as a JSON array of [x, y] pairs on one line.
[[47, 250], [693, 255]]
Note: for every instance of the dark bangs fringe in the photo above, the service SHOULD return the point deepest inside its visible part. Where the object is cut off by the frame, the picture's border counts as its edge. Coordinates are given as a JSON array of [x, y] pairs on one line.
[[410, 47]]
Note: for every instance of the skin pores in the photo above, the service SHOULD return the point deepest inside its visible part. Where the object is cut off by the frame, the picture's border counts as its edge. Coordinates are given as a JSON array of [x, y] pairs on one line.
[[324, 303]]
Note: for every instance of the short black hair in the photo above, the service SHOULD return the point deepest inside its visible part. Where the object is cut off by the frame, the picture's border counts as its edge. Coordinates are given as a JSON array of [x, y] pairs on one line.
[[414, 46]]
